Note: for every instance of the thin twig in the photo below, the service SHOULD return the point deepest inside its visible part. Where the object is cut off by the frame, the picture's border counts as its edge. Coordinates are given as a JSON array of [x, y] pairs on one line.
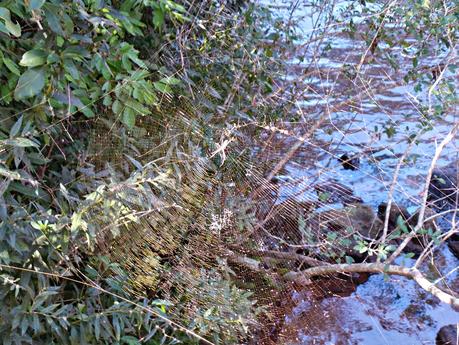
[[423, 206]]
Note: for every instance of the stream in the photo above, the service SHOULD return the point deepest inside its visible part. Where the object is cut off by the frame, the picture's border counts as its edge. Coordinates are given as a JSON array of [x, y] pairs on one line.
[[379, 311]]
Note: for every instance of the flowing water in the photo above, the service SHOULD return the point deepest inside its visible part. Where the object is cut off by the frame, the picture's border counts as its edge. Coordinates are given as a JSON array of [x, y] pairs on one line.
[[378, 312]]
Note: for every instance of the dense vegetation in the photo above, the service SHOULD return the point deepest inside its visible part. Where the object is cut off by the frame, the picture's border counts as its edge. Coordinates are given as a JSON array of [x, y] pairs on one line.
[[73, 71], [111, 109]]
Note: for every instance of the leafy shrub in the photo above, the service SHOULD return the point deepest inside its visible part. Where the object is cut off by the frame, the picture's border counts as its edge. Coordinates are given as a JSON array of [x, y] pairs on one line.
[[68, 67]]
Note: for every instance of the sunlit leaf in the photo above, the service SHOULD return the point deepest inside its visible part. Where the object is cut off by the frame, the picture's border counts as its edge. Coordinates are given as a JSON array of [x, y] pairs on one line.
[[33, 58], [158, 18], [165, 88], [19, 142]]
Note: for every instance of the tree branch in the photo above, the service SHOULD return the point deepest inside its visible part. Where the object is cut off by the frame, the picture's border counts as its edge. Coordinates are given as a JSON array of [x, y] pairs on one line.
[[422, 210], [411, 273], [289, 256]]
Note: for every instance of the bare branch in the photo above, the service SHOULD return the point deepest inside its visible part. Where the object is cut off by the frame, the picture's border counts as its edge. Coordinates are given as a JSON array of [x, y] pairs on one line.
[[422, 210], [411, 273]]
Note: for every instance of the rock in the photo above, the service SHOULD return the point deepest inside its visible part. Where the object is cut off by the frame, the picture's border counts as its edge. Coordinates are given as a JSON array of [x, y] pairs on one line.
[[296, 222], [331, 192], [454, 247], [443, 188], [349, 162], [284, 219], [427, 224], [355, 220], [396, 211], [419, 242], [448, 335]]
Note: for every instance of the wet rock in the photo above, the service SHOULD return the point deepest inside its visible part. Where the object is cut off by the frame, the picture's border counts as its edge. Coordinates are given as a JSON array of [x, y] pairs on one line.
[[355, 220], [443, 188], [349, 162], [427, 223], [295, 222], [419, 242], [331, 192], [454, 247], [448, 335], [284, 220], [395, 212]]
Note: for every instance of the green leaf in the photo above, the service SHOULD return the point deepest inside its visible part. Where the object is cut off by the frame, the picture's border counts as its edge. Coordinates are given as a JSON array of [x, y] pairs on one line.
[[35, 323], [130, 340], [137, 107], [77, 222], [441, 180], [391, 248], [33, 58], [12, 175], [30, 83], [76, 52], [349, 260], [31, 192], [35, 4], [9, 26], [11, 66], [361, 247], [324, 196], [409, 255], [331, 236], [129, 117], [68, 23], [162, 302], [170, 81], [87, 111], [165, 88], [117, 107], [117, 327], [19, 142], [97, 327], [51, 15], [5, 257], [402, 224], [60, 41], [158, 18], [16, 127]]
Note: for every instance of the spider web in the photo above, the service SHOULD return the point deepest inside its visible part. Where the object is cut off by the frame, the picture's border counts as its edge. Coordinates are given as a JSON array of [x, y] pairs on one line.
[[185, 211]]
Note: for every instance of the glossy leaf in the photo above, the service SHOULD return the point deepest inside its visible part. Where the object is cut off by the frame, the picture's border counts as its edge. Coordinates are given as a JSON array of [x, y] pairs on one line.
[[11, 66], [30, 83], [19, 142], [8, 26], [33, 58]]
